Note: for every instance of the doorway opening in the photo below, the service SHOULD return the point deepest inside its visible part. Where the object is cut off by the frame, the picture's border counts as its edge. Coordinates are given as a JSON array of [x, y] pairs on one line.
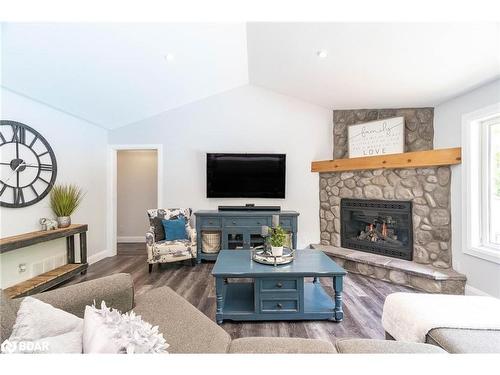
[[136, 187]]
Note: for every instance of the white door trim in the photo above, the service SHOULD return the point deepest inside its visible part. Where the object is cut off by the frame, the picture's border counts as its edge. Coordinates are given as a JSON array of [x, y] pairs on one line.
[[112, 185]]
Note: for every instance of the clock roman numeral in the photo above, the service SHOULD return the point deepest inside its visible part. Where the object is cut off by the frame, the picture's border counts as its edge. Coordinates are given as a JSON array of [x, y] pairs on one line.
[[18, 196], [44, 180], [19, 134], [33, 141], [34, 191], [46, 167], [3, 189], [2, 138]]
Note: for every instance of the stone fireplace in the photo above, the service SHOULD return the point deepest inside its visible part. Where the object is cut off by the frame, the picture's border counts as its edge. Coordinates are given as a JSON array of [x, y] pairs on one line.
[[410, 245], [377, 226]]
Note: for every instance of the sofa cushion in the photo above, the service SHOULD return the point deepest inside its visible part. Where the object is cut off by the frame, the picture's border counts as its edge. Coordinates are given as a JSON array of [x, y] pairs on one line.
[[185, 328], [269, 345], [455, 340], [180, 247], [369, 346], [117, 290], [8, 312]]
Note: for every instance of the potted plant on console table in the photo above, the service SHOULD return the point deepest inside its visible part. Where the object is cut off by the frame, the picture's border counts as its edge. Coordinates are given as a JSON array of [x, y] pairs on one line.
[[277, 239], [64, 200]]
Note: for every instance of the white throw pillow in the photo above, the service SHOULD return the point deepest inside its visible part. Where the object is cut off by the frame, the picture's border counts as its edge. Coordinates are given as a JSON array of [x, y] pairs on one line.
[[42, 328], [106, 330]]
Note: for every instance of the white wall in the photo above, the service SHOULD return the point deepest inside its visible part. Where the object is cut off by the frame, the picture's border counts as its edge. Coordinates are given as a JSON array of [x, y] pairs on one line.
[[137, 191], [246, 119], [80, 150], [481, 274]]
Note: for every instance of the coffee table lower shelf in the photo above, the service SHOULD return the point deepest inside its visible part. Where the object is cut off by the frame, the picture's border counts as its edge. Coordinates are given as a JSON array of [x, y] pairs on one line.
[[240, 304]]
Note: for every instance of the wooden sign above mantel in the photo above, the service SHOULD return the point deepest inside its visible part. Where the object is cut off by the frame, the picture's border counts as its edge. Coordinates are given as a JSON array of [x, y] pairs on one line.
[[417, 159]]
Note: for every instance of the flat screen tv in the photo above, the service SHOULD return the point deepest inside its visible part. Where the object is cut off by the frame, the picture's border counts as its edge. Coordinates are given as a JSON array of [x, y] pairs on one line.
[[246, 175]]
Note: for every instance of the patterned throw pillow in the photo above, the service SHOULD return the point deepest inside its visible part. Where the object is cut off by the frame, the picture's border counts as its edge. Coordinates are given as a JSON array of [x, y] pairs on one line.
[[157, 224]]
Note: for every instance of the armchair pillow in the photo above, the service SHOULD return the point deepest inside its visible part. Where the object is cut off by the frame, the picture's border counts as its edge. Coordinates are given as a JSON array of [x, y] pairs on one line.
[[175, 229], [159, 231]]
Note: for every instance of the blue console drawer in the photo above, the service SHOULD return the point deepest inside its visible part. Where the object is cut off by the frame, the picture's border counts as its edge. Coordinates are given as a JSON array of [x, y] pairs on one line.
[[286, 222], [277, 285], [246, 221], [279, 305], [210, 221]]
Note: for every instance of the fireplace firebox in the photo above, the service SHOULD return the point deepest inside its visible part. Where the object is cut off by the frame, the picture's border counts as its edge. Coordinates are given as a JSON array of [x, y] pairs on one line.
[[377, 226]]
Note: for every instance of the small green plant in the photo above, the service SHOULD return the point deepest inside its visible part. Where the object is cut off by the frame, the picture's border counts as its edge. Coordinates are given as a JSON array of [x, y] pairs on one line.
[[64, 199], [277, 237]]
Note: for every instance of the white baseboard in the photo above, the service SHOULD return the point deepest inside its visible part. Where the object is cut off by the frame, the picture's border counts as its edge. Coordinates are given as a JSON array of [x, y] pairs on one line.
[[128, 239], [471, 291], [100, 255]]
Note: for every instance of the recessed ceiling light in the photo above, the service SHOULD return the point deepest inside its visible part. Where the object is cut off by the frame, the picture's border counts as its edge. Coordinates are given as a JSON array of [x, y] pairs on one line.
[[169, 57], [322, 53]]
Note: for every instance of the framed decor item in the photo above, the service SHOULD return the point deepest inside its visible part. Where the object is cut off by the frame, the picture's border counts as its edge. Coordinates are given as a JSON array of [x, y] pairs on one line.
[[376, 137]]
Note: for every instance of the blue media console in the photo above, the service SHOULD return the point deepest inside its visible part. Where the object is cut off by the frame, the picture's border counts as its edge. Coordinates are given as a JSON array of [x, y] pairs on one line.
[[240, 229]]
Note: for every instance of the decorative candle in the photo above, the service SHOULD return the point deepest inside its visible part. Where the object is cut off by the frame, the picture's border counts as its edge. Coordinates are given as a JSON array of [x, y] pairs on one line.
[[276, 221]]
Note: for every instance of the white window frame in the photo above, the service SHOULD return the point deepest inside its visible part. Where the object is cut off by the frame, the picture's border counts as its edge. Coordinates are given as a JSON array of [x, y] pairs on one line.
[[475, 194]]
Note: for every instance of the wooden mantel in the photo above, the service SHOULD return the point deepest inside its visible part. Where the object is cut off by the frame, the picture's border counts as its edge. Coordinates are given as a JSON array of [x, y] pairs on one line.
[[417, 159]]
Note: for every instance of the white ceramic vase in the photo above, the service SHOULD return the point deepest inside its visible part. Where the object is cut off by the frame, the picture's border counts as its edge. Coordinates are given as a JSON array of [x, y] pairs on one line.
[[277, 251]]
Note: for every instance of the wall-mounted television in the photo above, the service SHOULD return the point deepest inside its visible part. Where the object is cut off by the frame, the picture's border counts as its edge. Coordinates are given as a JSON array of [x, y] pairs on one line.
[[246, 175]]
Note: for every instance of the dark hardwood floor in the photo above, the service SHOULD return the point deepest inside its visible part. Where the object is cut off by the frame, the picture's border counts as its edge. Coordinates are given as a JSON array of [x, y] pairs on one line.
[[363, 297]]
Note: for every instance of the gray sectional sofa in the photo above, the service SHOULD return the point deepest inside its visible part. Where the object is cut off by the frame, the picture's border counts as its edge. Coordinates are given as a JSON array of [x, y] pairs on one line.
[[185, 328]]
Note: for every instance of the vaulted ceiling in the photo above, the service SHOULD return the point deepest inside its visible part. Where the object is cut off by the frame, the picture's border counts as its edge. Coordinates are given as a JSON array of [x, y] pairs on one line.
[[373, 65], [116, 74]]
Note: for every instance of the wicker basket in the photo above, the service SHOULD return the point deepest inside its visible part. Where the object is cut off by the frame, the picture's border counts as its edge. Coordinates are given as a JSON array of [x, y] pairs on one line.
[[210, 242]]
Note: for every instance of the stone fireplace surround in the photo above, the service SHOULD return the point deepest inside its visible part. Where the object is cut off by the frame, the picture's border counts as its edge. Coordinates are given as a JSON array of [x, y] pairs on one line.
[[427, 188]]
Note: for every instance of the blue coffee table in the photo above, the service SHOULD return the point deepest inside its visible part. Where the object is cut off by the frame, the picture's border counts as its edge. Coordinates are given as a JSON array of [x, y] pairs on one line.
[[276, 293]]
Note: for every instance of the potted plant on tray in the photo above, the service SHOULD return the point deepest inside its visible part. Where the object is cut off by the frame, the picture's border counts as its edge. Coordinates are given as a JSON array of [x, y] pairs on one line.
[[64, 200], [277, 239]]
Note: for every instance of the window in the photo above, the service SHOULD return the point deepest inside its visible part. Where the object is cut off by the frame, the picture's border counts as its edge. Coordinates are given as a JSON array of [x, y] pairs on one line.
[[491, 182], [481, 183]]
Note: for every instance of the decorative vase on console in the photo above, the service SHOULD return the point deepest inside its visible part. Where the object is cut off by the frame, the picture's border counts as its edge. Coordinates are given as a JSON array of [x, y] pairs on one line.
[[64, 200]]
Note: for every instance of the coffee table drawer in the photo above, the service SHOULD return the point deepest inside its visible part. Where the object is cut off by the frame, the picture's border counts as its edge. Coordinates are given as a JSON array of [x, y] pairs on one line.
[[277, 285], [279, 305]]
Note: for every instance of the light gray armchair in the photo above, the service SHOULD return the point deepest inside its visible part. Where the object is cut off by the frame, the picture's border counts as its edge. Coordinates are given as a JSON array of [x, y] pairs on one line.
[[162, 251]]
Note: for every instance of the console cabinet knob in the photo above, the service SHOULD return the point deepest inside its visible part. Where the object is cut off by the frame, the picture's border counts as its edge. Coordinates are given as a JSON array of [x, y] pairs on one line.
[[279, 285], [279, 305]]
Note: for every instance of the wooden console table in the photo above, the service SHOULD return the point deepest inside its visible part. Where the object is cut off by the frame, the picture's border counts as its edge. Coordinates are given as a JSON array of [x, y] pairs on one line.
[[58, 275]]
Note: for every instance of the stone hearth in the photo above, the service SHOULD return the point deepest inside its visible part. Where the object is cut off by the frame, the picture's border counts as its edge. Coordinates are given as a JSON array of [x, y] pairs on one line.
[[397, 271], [427, 188]]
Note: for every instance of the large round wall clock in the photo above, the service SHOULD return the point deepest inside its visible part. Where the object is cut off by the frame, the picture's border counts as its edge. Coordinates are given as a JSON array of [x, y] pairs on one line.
[[28, 166]]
